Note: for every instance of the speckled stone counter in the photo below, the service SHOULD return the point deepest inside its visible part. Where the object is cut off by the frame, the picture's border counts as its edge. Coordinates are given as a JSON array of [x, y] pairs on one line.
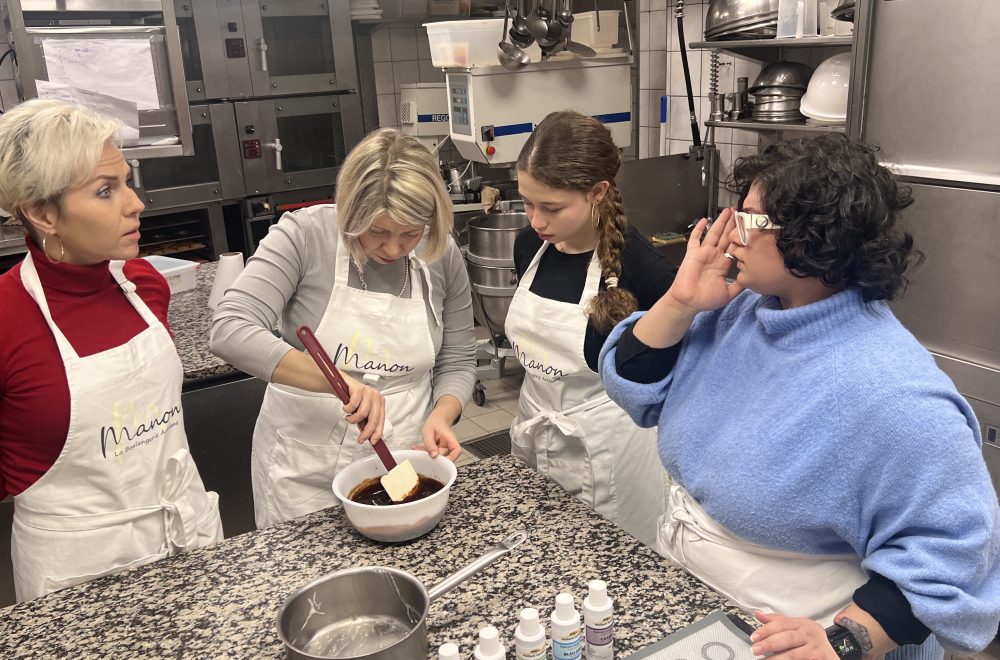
[[191, 320], [221, 602]]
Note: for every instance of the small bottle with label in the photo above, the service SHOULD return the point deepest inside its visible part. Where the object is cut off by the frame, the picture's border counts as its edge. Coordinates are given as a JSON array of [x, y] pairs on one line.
[[448, 651], [567, 635], [599, 621], [489, 646], [529, 637]]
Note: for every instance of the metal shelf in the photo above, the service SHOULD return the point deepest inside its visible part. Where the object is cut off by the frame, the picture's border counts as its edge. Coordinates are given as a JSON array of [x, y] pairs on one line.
[[766, 49], [749, 125]]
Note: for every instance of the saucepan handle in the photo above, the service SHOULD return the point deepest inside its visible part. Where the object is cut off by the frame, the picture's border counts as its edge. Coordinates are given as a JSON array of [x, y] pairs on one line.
[[508, 543]]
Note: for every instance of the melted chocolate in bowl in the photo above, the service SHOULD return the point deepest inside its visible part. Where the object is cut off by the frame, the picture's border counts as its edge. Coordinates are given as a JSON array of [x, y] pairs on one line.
[[370, 491]]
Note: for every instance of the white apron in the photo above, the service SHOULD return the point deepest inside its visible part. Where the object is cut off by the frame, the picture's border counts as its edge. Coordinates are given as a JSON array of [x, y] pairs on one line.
[[566, 426], [124, 490], [301, 438], [753, 576]]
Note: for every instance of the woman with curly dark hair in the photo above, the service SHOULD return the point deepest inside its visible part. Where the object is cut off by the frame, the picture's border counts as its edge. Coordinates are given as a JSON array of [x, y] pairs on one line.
[[582, 268], [823, 469]]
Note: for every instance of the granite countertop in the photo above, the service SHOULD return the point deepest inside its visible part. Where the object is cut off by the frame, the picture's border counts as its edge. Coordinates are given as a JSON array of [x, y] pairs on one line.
[[191, 320], [222, 601]]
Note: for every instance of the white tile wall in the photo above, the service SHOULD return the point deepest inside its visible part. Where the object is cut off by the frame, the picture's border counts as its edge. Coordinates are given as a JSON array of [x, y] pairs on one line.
[[661, 73], [402, 56]]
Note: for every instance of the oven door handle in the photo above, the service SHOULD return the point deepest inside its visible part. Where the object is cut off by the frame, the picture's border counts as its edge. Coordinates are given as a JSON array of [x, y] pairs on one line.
[[263, 55], [136, 174], [276, 145]]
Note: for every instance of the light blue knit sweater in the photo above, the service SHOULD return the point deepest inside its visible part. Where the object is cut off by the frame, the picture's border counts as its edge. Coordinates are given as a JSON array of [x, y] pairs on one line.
[[829, 429]]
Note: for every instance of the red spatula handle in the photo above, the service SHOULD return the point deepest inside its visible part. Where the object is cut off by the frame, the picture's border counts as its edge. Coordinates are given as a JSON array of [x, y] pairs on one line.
[[340, 388]]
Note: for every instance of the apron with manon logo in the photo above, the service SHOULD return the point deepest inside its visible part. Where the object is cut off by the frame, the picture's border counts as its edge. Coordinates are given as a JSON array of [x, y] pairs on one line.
[[301, 439], [566, 426], [124, 490]]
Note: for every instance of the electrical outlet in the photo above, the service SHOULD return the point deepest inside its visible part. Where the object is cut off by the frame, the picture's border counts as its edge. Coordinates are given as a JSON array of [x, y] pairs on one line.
[[991, 435]]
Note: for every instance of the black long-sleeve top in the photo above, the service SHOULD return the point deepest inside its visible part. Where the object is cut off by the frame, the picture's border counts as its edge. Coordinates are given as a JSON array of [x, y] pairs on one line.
[[646, 273]]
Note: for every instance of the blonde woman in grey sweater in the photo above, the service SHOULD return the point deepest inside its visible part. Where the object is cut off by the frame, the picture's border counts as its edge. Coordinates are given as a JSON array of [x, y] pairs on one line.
[[384, 287]]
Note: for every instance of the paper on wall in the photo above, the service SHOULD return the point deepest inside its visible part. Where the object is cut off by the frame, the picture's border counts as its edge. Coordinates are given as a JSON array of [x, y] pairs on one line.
[[122, 68], [125, 111]]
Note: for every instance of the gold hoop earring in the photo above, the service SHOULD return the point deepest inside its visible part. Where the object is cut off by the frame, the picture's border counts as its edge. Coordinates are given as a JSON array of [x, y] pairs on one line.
[[62, 249], [595, 217]]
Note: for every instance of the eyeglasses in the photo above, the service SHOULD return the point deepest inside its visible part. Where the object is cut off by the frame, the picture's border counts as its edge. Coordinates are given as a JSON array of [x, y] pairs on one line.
[[747, 221]]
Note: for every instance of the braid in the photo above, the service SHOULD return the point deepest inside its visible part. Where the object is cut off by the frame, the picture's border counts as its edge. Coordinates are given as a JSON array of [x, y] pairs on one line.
[[571, 151], [609, 307]]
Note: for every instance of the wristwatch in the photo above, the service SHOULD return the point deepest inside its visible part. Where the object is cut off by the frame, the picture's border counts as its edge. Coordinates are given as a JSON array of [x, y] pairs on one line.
[[844, 642]]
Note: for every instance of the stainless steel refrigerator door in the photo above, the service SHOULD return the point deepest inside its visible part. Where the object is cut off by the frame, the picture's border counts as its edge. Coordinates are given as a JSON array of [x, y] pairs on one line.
[[213, 173], [300, 46], [291, 143], [952, 304], [930, 94], [214, 49]]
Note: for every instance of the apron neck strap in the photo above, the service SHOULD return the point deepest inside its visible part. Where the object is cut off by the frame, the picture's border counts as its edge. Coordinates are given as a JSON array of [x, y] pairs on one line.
[[117, 269], [33, 285]]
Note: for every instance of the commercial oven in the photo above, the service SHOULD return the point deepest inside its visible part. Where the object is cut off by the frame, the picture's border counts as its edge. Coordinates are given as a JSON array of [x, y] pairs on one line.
[[126, 49], [214, 173], [235, 49], [294, 143]]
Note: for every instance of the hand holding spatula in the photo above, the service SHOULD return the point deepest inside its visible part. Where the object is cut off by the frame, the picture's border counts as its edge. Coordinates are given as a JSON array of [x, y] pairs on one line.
[[401, 482]]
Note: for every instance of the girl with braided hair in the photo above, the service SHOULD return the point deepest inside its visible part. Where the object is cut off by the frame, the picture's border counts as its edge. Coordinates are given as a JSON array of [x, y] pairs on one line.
[[582, 269]]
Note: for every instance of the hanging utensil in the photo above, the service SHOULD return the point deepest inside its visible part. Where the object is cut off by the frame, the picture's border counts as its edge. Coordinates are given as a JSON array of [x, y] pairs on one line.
[[628, 27], [519, 32], [538, 22], [577, 48], [511, 57]]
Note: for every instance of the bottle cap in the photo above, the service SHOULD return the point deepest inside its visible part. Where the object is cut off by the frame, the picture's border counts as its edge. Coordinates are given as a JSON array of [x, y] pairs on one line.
[[564, 606], [529, 622], [448, 651], [489, 641], [597, 593]]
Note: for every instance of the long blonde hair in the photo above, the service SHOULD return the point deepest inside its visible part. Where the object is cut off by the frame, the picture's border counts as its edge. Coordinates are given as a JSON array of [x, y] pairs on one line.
[[571, 151], [391, 173]]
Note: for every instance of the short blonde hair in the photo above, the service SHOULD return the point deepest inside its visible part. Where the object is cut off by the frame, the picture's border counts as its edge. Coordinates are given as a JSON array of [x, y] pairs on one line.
[[47, 148], [391, 173]]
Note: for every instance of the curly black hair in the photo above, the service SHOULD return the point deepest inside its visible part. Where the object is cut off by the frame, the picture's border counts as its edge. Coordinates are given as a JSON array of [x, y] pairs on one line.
[[838, 209]]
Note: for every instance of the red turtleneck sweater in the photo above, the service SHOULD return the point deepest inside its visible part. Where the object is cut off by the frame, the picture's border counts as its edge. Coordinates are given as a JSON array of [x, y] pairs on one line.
[[91, 310]]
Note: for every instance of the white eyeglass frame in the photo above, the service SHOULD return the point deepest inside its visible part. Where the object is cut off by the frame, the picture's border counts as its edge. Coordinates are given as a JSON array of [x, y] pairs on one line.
[[747, 221]]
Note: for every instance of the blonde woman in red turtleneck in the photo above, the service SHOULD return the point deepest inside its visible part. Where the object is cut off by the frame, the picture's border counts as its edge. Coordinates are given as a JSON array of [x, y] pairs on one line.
[[92, 442]]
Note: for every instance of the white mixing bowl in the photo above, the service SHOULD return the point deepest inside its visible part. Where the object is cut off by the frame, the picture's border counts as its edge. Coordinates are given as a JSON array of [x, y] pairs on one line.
[[396, 522]]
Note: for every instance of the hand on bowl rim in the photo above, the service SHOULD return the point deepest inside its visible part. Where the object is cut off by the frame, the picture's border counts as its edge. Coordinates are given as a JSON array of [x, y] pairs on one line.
[[439, 437]]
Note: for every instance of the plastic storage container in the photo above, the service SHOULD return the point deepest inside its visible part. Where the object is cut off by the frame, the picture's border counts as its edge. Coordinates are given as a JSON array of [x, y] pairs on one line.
[[470, 43], [585, 28], [180, 274]]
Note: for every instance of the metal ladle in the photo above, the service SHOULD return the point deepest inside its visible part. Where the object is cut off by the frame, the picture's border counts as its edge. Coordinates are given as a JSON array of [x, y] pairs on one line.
[[538, 22], [511, 57], [519, 32]]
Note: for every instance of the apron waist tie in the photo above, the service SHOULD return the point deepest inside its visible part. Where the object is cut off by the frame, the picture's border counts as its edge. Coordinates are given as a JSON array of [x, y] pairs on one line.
[[180, 520], [179, 515]]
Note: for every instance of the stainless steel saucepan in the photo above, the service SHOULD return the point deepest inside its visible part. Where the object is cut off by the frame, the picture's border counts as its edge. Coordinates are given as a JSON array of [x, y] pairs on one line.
[[369, 613]]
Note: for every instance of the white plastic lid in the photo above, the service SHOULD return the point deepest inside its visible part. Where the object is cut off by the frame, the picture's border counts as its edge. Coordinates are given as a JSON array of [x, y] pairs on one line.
[[529, 622], [597, 593], [564, 606], [489, 641], [448, 651]]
